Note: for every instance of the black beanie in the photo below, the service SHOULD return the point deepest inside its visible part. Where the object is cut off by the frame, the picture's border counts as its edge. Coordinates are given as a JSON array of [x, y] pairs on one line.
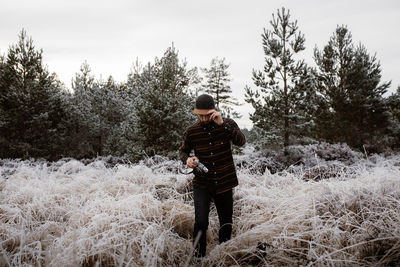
[[204, 102]]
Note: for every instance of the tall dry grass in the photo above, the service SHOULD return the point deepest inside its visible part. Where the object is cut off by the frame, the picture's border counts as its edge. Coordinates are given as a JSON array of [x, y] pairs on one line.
[[71, 214]]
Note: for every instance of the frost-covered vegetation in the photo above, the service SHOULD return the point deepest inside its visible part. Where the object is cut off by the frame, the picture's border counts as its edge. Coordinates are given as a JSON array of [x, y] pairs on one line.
[[327, 209]]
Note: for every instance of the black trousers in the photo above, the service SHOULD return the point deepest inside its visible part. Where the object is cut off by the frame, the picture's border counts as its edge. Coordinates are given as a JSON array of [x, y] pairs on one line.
[[224, 204]]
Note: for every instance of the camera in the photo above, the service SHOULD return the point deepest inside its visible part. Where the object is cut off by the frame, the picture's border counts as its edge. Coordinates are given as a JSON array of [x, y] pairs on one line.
[[200, 167]]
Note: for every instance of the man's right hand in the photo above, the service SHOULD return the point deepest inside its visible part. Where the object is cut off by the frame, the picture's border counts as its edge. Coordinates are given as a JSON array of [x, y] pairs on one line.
[[190, 162]]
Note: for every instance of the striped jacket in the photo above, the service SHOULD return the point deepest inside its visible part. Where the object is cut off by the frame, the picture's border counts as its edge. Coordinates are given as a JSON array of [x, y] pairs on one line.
[[212, 145]]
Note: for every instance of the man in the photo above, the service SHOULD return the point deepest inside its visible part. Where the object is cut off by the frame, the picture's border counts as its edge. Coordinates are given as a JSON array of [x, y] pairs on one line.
[[211, 138]]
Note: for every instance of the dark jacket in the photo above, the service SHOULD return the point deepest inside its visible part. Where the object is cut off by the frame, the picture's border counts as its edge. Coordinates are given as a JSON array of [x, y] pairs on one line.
[[212, 145]]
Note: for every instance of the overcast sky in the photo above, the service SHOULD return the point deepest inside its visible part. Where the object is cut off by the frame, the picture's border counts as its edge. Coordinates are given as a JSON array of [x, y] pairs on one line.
[[110, 35]]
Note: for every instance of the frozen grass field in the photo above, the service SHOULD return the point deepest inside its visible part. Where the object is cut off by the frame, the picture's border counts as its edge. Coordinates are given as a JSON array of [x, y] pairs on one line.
[[69, 213]]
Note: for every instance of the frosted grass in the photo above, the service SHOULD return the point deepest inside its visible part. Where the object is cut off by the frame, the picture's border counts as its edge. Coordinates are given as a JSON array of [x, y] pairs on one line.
[[71, 214]]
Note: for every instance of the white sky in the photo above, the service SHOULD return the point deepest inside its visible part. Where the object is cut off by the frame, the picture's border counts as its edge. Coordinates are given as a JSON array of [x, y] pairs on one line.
[[110, 35]]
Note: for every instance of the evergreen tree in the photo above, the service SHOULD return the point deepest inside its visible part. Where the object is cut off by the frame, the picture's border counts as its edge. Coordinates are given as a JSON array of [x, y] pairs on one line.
[[99, 109], [111, 106], [31, 104], [393, 103], [349, 81], [3, 119], [281, 108], [83, 117], [217, 85], [162, 106]]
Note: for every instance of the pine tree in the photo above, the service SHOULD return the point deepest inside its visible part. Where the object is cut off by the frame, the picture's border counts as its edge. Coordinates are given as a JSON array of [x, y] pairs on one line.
[[369, 112], [109, 103], [162, 105], [277, 107], [333, 64], [217, 85], [83, 117], [3, 119], [393, 103], [31, 104], [349, 81], [100, 107]]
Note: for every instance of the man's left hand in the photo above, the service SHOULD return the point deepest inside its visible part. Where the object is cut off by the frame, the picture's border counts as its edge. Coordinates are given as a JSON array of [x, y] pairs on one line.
[[216, 117]]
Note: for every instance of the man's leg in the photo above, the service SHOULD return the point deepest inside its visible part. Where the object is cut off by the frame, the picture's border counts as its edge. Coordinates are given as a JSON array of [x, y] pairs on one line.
[[224, 205], [202, 199]]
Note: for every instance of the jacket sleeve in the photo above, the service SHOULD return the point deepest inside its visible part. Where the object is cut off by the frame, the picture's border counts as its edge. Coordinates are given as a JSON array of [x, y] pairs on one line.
[[234, 132], [185, 148]]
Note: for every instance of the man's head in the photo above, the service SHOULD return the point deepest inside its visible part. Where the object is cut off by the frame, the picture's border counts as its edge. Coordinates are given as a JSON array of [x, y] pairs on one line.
[[204, 107]]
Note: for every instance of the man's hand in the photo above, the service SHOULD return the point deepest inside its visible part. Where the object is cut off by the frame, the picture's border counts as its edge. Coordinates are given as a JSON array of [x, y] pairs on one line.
[[190, 162], [215, 116]]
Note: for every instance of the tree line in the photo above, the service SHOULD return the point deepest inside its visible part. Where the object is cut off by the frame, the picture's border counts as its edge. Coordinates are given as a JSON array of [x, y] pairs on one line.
[[339, 100], [144, 116]]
